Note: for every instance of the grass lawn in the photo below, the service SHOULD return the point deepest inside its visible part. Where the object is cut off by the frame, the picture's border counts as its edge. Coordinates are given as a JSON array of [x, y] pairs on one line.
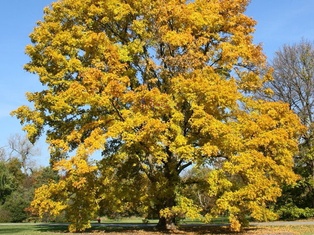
[[32, 229], [59, 229]]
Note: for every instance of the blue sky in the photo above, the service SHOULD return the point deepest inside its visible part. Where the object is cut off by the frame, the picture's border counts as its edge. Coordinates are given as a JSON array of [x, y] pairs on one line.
[[279, 22]]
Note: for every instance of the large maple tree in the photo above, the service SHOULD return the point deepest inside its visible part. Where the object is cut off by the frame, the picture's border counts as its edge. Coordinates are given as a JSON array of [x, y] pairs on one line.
[[158, 86]]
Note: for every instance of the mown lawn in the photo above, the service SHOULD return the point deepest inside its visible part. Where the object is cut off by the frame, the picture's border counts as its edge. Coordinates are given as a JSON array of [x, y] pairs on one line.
[[61, 229], [32, 229]]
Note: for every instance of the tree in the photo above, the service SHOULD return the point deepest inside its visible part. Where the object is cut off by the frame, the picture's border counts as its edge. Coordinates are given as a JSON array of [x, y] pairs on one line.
[[12, 199], [158, 86], [6, 182], [294, 77], [196, 187], [18, 179], [16, 204], [2, 153], [24, 150], [293, 83]]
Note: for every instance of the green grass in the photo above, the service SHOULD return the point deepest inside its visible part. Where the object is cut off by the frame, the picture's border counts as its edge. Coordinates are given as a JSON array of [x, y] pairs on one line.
[[32, 229], [57, 229]]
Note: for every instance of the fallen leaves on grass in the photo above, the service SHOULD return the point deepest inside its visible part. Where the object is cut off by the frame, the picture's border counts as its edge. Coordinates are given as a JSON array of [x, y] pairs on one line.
[[207, 230]]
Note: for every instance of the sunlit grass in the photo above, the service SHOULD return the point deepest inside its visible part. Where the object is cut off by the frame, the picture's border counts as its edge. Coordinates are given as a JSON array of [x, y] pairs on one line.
[[32, 229]]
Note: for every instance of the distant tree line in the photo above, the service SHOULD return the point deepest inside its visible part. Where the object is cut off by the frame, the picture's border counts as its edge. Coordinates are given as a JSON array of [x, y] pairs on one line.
[[19, 176]]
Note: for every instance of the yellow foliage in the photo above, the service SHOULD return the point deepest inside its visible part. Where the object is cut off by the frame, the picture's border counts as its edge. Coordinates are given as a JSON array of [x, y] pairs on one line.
[[75, 194], [43, 203], [185, 208], [156, 86], [235, 224]]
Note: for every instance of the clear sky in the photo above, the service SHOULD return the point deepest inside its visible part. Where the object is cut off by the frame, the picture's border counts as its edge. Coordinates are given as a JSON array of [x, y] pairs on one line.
[[279, 22]]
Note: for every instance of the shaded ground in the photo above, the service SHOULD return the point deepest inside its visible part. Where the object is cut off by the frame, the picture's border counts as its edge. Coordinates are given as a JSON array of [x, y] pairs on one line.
[[270, 228]]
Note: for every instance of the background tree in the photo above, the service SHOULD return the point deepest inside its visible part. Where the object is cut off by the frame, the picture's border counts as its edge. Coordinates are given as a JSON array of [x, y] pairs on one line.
[[18, 179], [196, 187], [12, 202], [24, 151], [158, 86], [293, 83], [2, 153], [6, 182]]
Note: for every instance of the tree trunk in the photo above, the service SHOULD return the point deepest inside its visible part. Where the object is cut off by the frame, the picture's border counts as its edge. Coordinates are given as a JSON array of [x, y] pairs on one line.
[[313, 181], [166, 196], [166, 224]]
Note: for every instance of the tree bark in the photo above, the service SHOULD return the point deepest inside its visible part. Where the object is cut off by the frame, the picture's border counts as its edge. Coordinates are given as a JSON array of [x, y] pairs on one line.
[[167, 193], [166, 224]]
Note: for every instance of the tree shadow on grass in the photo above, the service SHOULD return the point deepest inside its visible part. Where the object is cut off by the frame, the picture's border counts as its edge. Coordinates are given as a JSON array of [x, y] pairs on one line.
[[185, 229], [107, 228], [53, 228], [122, 229], [217, 230], [10, 230], [141, 229]]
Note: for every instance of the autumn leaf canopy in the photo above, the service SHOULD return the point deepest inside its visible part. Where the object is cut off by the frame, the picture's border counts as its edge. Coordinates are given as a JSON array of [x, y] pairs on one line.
[[158, 87]]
